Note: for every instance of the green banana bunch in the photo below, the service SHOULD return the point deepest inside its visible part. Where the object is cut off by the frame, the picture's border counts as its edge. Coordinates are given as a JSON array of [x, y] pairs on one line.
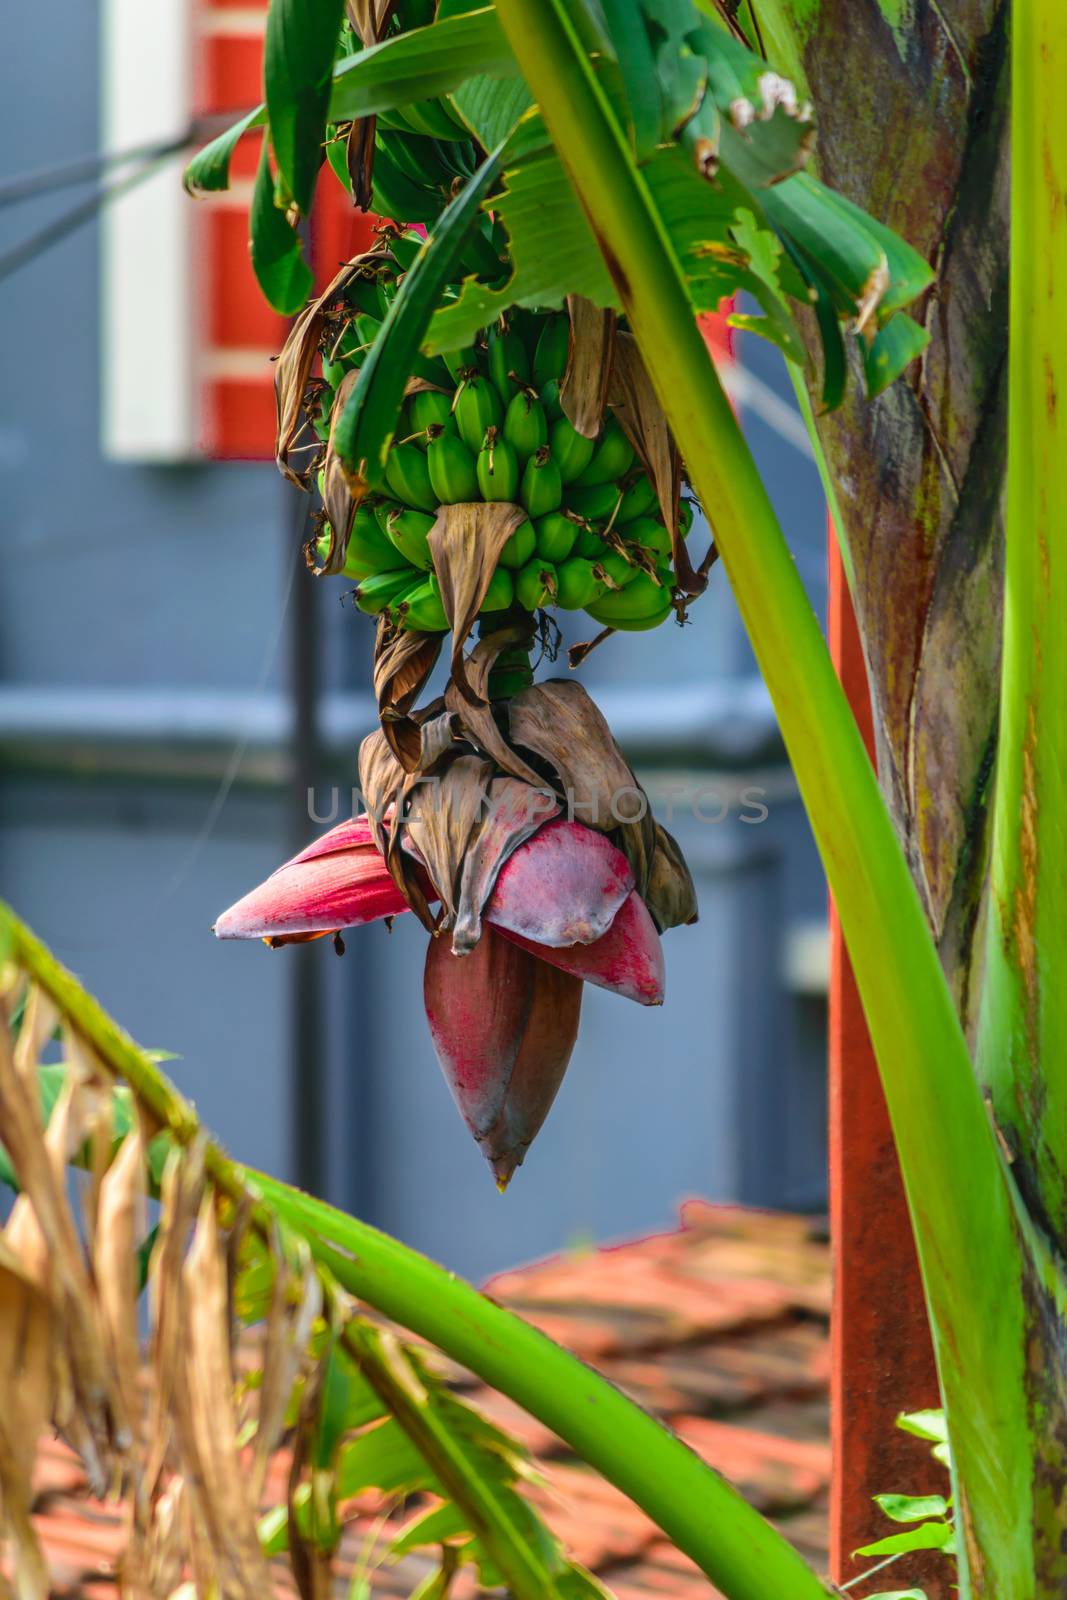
[[490, 427]]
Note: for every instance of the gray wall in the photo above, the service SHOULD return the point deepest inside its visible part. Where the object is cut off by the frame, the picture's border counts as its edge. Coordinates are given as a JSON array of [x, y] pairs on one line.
[[147, 617]]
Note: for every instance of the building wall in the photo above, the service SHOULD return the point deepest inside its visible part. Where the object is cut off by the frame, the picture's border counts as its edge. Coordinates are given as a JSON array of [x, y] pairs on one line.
[[149, 775]]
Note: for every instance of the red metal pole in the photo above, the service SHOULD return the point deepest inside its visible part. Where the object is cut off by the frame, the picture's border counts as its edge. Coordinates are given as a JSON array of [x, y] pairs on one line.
[[881, 1358]]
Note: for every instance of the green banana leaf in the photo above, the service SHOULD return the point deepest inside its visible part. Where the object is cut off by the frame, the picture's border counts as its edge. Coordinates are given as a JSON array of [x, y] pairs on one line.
[[277, 252], [298, 55]]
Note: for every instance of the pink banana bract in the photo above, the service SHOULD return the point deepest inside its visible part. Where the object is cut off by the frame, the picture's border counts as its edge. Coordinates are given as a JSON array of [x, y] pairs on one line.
[[504, 1016]]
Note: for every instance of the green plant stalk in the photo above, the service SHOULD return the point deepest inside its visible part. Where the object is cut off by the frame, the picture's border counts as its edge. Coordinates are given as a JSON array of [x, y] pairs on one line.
[[703, 1514], [959, 1193], [1023, 1023]]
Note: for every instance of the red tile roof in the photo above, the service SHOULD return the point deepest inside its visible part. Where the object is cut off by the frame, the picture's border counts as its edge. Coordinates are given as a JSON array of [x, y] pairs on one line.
[[720, 1327]]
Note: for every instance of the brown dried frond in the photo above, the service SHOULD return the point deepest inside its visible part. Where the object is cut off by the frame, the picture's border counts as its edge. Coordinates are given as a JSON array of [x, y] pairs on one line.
[[465, 543], [474, 715], [292, 370], [204, 1420], [27, 1332], [43, 1236], [403, 661], [359, 158], [583, 393], [443, 818], [558, 721], [120, 1228], [641, 418], [670, 894], [383, 783]]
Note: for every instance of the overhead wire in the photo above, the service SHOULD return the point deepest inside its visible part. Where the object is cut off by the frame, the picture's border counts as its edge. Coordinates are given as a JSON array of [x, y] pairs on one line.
[[50, 180]]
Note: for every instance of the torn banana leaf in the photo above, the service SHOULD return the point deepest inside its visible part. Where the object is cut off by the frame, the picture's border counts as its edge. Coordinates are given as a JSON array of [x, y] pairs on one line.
[[209, 170]]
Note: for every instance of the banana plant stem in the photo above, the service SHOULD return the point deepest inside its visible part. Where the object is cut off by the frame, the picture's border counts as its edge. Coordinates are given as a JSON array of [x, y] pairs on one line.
[[960, 1196], [703, 1514]]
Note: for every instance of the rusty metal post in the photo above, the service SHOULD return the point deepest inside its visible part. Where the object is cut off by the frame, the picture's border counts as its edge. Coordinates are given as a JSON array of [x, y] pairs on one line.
[[882, 1360]]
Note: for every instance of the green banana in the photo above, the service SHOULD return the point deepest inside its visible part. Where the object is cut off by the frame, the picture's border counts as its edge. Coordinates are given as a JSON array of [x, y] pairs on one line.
[[459, 362], [589, 544], [613, 456], [321, 421], [536, 585], [685, 517], [392, 121], [571, 450], [497, 468], [402, 430], [525, 424], [639, 500], [419, 158], [649, 533], [408, 476], [642, 604], [616, 572], [576, 584], [420, 610], [551, 401], [453, 476], [550, 357], [332, 372], [476, 407], [427, 407], [519, 548], [430, 117], [356, 567], [408, 531], [405, 247], [480, 257], [337, 155], [397, 195], [595, 504], [541, 490], [507, 356], [368, 549], [375, 593], [362, 295], [365, 328], [500, 593], [527, 324], [555, 536], [382, 510]]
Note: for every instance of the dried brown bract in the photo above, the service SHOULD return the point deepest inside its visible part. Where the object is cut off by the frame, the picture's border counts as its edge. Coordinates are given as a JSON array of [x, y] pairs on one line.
[[465, 542], [583, 392], [292, 370]]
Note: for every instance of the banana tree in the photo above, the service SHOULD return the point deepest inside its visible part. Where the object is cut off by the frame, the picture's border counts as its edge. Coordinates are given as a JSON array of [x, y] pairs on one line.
[[635, 164]]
